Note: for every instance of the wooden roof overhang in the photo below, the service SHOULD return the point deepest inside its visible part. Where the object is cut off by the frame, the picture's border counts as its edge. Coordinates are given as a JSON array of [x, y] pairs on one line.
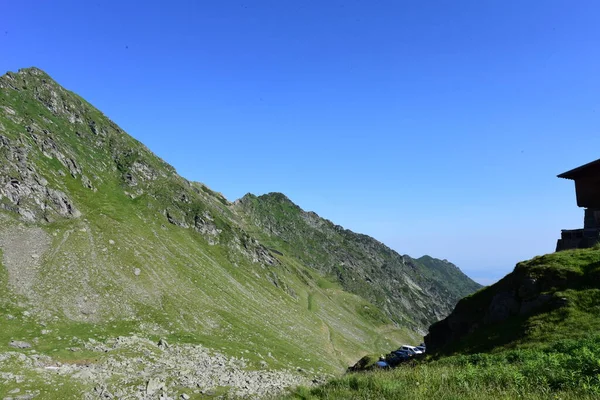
[[587, 184], [592, 168]]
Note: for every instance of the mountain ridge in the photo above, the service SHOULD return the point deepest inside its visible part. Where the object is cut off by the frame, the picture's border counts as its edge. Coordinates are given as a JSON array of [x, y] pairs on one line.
[[367, 253], [102, 239]]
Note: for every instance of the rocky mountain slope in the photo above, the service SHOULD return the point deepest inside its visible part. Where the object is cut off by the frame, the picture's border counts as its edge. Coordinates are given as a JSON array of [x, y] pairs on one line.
[[412, 292], [101, 239], [544, 300]]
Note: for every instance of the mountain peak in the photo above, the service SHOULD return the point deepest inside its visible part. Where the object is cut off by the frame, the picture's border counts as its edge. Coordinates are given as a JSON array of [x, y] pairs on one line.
[[277, 196], [101, 238], [32, 71], [25, 73]]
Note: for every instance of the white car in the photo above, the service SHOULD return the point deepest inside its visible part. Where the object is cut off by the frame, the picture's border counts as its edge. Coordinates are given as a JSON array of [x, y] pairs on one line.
[[411, 349], [422, 348]]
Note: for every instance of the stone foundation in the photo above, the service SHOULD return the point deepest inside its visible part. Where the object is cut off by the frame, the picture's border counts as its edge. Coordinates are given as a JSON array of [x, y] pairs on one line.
[[581, 238]]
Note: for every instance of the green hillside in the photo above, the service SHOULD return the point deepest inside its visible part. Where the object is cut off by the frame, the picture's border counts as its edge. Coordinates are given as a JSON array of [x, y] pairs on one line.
[[448, 276], [548, 298], [106, 250], [532, 335], [413, 293]]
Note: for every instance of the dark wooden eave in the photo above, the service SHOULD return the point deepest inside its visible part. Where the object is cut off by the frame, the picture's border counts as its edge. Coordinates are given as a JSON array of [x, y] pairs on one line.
[[592, 168]]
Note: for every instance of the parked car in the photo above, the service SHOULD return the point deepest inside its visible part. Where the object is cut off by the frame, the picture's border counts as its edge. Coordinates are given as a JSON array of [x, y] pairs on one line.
[[422, 348], [403, 353], [411, 349], [393, 360]]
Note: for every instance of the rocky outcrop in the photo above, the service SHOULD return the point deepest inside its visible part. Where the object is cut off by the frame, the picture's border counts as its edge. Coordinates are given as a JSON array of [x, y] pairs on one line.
[[17, 344], [524, 292], [24, 191], [152, 371]]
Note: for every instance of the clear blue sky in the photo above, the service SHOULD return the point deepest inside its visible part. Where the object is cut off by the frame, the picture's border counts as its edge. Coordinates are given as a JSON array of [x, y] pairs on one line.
[[437, 127]]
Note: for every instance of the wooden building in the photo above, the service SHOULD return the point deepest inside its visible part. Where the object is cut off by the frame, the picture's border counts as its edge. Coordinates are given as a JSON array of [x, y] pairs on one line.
[[587, 189]]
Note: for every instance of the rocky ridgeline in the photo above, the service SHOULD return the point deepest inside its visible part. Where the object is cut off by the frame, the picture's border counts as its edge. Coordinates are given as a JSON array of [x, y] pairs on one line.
[[136, 368], [425, 289], [34, 187]]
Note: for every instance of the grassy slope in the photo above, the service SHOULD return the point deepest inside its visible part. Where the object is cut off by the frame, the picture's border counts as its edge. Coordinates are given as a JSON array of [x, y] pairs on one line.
[[569, 370], [448, 276], [189, 290], [571, 276], [413, 293], [552, 353]]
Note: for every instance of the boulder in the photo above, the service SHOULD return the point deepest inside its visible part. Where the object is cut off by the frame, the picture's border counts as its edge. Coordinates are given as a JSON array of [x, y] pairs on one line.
[[19, 344], [154, 385]]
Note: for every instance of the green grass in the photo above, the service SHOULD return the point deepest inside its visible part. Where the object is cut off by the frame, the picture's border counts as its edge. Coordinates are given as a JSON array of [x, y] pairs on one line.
[[324, 283], [311, 304], [193, 287], [570, 278], [569, 369], [370, 312], [553, 353], [43, 385]]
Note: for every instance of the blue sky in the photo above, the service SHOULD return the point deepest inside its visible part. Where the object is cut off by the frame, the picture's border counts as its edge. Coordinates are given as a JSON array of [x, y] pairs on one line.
[[437, 127]]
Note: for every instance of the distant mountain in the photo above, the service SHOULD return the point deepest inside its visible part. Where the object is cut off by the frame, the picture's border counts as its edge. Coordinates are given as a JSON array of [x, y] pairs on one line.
[[412, 292], [448, 276], [105, 246]]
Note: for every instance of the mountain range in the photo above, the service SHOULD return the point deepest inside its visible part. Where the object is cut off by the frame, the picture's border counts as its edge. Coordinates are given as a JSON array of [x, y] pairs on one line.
[[101, 240]]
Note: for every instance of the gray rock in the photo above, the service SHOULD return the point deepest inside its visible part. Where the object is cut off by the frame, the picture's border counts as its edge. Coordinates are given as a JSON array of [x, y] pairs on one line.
[[24, 397], [185, 397], [154, 385], [62, 204], [188, 366], [503, 305], [85, 374], [137, 271], [176, 217], [87, 182], [19, 344]]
